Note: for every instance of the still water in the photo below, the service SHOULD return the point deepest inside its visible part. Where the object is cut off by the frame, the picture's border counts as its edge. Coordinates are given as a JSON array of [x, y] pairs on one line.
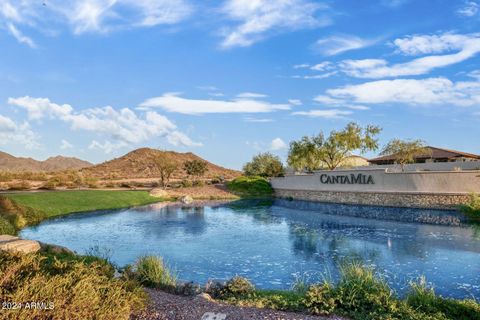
[[272, 245]]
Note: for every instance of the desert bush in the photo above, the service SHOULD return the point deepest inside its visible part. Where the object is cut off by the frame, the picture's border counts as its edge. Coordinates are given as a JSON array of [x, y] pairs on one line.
[[19, 185], [153, 272], [77, 289], [238, 286], [187, 183], [320, 299], [5, 176], [195, 168], [250, 187], [198, 183], [49, 185], [92, 182]]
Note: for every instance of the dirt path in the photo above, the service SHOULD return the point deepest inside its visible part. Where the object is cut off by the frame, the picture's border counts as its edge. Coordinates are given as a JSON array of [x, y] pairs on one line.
[[166, 306]]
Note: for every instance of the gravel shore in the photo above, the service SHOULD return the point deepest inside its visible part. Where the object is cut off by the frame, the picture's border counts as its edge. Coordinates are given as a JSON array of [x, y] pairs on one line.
[[167, 306]]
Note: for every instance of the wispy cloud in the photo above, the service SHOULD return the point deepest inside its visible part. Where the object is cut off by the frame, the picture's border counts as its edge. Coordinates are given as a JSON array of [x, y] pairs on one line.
[[334, 45], [20, 36], [66, 145], [259, 19], [173, 102], [327, 113], [94, 16], [469, 9], [467, 46]]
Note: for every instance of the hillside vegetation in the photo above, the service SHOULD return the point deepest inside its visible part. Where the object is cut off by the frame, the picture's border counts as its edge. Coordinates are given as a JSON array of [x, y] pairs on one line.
[[140, 163]]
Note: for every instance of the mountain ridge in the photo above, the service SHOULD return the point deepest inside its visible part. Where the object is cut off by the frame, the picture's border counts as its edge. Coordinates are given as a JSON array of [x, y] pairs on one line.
[[12, 163]]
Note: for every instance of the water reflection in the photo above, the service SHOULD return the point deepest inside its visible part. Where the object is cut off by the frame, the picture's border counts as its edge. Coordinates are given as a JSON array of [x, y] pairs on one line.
[[270, 243]]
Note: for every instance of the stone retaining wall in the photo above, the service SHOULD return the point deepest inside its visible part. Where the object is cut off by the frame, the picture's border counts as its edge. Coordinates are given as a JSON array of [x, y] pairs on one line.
[[392, 199]]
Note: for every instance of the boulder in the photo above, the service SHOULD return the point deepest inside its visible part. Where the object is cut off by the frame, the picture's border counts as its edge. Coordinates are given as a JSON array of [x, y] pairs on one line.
[[23, 246], [186, 199], [158, 193], [6, 237], [215, 288]]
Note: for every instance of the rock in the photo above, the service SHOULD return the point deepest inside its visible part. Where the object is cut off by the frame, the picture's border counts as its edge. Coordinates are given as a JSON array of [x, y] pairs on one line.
[[6, 237], [204, 296], [23, 246], [188, 289], [158, 193], [55, 248], [186, 199], [214, 288]]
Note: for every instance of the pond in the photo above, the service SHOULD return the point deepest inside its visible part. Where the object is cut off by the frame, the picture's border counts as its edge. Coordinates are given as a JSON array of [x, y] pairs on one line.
[[272, 244]]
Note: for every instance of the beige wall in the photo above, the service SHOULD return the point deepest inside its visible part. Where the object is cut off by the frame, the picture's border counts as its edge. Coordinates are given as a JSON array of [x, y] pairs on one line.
[[461, 182]]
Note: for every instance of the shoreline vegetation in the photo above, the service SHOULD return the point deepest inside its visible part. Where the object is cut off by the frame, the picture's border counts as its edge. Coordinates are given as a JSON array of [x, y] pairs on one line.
[[360, 293]]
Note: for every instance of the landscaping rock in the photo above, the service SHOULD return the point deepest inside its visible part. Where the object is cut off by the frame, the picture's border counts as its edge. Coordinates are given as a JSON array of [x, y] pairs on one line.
[[188, 289], [55, 248], [23, 246], [214, 288], [186, 199], [158, 193], [6, 237]]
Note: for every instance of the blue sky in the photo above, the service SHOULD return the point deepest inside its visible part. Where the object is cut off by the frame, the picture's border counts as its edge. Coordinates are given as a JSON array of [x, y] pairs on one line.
[[228, 79]]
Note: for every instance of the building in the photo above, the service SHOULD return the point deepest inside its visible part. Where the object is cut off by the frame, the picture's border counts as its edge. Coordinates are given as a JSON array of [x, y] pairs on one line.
[[354, 161], [435, 155]]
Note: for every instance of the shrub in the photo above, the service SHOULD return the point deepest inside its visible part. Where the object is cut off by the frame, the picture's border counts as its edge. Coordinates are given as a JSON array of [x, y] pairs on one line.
[[472, 208], [19, 185], [238, 286], [424, 299], [49, 185], [187, 183], [77, 289], [195, 168], [264, 165], [19, 216], [362, 293], [250, 187], [6, 227], [199, 183], [320, 299], [152, 272]]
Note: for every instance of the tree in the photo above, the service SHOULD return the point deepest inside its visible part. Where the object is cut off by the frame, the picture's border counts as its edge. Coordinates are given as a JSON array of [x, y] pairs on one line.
[[264, 165], [406, 151], [317, 152], [166, 168], [196, 168]]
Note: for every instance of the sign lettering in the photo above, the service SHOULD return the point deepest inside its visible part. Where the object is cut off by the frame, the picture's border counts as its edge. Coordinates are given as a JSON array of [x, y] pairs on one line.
[[346, 179]]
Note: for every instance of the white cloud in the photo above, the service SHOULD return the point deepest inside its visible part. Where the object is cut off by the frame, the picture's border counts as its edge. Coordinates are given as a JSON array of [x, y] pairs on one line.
[[427, 92], [277, 144], [474, 74], [295, 102], [251, 95], [262, 120], [323, 66], [20, 37], [124, 126], [335, 102], [334, 45], [107, 146], [301, 66], [11, 132], [90, 15], [257, 19], [469, 9], [172, 102], [328, 113], [66, 145], [467, 46]]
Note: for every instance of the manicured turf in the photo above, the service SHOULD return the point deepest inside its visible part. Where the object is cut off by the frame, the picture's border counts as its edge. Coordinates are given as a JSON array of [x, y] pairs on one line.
[[57, 203]]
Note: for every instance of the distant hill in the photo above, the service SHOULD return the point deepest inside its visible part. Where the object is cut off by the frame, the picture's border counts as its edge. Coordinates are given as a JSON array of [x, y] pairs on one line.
[[58, 163], [140, 163]]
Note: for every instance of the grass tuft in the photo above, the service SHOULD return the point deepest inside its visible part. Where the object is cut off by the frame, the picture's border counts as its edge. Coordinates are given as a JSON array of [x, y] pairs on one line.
[[152, 272]]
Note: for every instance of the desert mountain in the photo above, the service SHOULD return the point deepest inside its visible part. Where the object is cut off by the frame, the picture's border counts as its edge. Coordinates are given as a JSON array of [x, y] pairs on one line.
[[58, 163], [140, 163]]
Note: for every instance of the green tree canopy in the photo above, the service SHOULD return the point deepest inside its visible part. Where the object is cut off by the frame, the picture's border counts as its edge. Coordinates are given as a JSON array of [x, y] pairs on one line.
[[166, 168], [264, 165], [406, 151], [317, 152]]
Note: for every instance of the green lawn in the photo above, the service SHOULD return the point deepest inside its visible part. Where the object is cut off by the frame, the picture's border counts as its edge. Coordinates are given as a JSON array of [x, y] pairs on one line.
[[57, 203]]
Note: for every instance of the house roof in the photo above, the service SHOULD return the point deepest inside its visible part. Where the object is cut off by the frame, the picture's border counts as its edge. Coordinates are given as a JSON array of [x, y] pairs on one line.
[[436, 153]]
